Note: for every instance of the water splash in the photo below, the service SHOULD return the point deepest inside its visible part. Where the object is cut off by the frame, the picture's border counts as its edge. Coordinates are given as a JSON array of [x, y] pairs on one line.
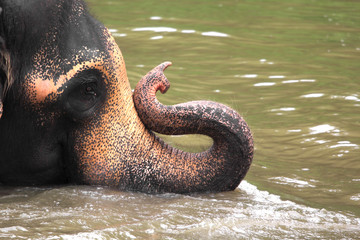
[[100, 213]]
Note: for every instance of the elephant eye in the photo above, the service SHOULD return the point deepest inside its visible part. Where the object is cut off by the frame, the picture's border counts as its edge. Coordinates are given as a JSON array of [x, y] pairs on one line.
[[89, 90], [83, 97], [83, 94]]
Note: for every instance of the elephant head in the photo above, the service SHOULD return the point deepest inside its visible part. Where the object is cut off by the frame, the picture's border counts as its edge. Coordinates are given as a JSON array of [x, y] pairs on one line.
[[69, 114]]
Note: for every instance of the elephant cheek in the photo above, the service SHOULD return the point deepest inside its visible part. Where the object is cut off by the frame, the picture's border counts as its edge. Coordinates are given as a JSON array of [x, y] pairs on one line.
[[108, 150], [101, 151], [94, 153]]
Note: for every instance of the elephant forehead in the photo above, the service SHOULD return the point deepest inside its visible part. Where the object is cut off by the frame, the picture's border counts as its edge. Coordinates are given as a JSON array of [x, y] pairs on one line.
[[44, 86], [49, 72], [48, 76]]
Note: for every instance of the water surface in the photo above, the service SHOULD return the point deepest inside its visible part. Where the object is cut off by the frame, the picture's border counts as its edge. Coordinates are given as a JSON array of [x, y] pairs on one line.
[[291, 68]]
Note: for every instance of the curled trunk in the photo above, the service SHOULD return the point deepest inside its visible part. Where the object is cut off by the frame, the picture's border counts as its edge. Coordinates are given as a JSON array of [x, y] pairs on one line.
[[220, 168]]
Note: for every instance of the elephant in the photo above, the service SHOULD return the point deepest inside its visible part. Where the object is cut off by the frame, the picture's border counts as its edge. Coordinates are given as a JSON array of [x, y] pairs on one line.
[[68, 114]]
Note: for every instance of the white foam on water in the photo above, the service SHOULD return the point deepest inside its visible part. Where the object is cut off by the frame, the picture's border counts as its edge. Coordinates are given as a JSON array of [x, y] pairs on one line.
[[96, 234], [292, 217], [13, 229]]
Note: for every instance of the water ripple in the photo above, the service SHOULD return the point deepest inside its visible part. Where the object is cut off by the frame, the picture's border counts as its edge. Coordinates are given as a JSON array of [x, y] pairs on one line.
[[155, 18], [264, 84], [276, 76], [214, 34], [155, 29], [345, 144], [349, 98], [284, 109], [297, 81], [249, 75], [291, 181], [157, 37], [324, 128], [312, 95], [188, 31]]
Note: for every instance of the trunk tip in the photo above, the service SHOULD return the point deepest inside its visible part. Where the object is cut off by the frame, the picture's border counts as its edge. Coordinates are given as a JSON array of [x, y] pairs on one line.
[[165, 65]]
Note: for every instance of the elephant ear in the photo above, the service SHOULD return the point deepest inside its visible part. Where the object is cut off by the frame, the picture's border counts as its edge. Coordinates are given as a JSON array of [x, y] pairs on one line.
[[2, 80], [2, 65], [1, 99]]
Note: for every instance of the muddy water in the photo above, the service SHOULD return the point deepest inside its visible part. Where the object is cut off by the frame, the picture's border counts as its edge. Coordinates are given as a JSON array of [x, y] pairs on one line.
[[291, 68]]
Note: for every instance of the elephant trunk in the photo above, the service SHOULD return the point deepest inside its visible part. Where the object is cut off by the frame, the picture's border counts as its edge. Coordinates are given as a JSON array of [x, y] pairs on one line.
[[220, 168]]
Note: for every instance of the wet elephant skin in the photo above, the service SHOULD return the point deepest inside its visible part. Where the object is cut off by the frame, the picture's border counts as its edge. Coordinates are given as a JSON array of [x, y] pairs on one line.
[[69, 115]]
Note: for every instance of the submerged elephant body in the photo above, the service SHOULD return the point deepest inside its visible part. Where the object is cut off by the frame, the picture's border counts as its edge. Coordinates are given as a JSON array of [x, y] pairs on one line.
[[68, 115]]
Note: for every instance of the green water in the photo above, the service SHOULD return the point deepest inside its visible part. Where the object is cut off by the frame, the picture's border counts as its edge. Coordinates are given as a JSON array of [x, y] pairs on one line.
[[291, 68]]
